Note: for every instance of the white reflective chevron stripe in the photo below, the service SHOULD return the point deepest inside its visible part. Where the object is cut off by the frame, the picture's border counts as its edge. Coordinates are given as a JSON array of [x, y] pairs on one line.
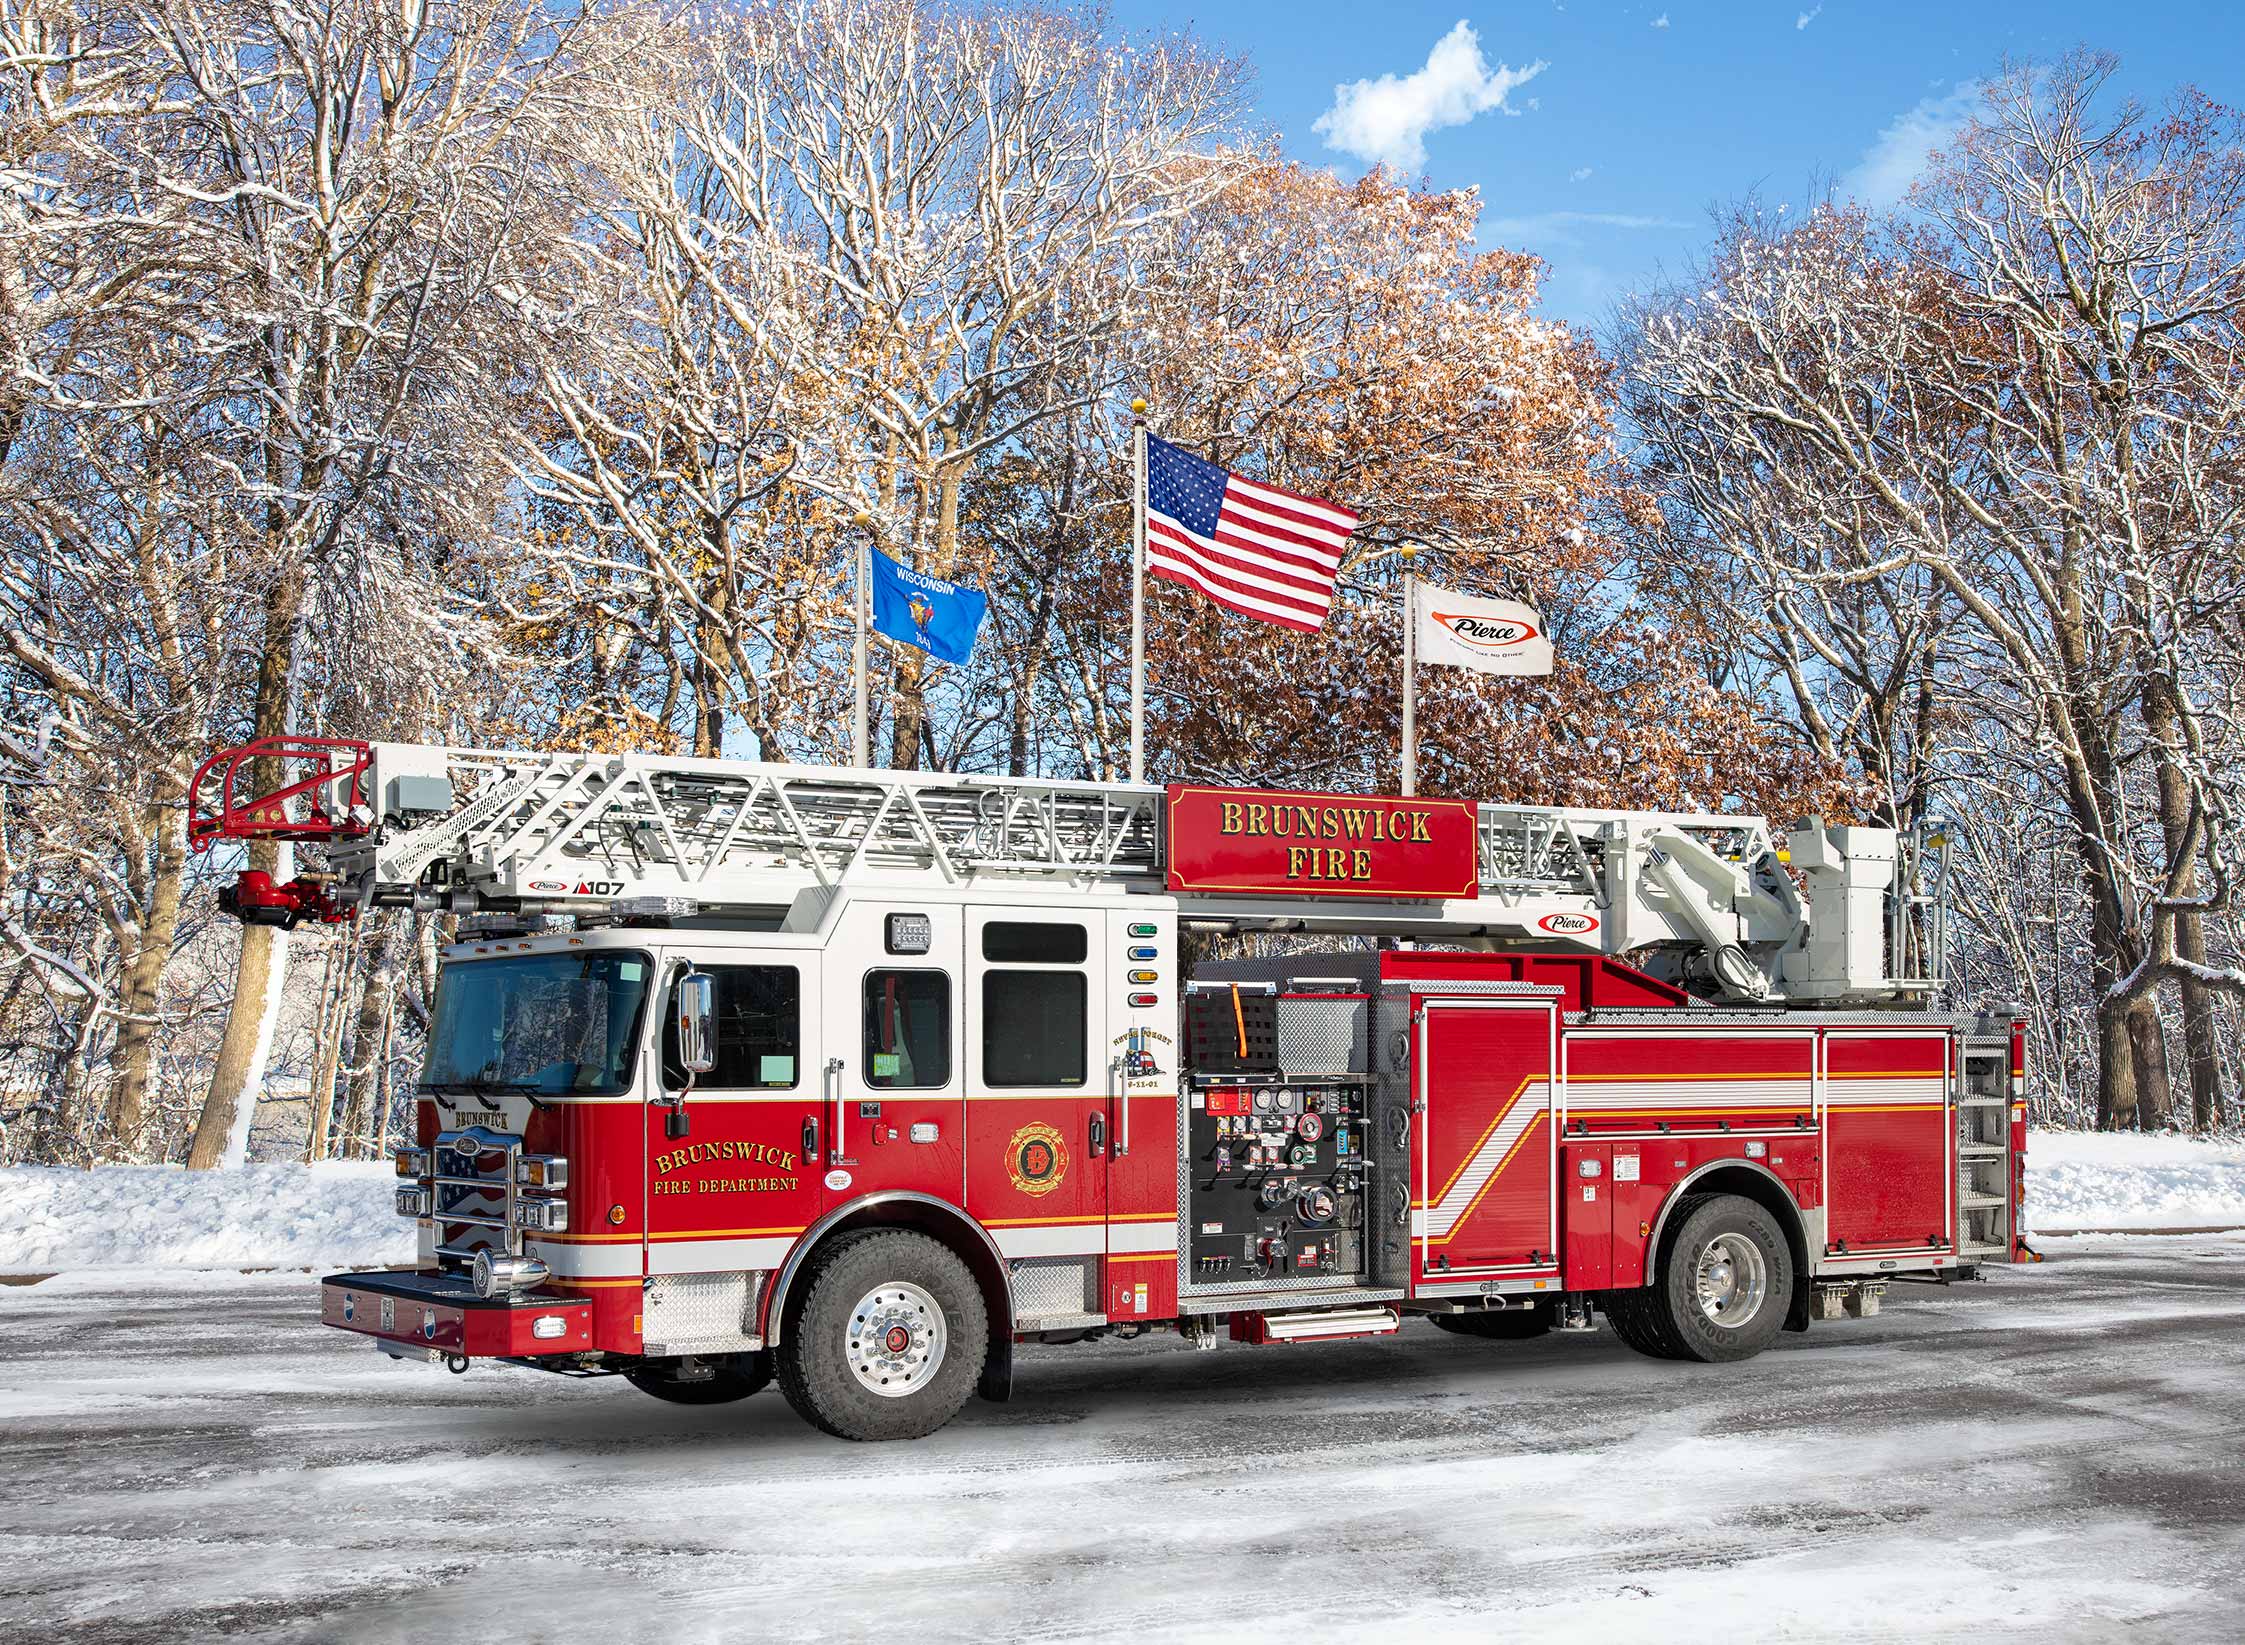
[[1436, 1221]]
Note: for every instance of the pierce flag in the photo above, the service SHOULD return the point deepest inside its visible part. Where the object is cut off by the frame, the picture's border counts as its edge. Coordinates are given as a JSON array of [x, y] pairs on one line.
[[1493, 636]]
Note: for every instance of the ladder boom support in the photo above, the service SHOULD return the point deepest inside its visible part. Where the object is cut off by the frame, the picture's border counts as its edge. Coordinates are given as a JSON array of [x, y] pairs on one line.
[[599, 833]]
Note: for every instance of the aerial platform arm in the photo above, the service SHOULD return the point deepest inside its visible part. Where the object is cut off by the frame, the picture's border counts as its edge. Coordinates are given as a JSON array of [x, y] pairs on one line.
[[1705, 898]]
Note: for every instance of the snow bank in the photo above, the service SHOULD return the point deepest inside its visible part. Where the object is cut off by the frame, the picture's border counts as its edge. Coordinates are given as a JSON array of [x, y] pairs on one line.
[[2091, 1179], [255, 1216]]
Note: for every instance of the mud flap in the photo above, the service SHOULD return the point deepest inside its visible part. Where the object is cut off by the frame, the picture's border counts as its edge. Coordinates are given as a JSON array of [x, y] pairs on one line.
[[1796, 1311], [996, 1382]]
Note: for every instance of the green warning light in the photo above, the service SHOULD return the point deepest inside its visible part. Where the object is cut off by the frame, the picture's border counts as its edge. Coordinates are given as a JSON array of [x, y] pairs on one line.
[[1143, 928]]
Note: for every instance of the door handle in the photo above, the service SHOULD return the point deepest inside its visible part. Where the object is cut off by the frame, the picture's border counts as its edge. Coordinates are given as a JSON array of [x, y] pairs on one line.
[[834, 1080], [1118, 1080], [1098, 1143], [810, 1139]]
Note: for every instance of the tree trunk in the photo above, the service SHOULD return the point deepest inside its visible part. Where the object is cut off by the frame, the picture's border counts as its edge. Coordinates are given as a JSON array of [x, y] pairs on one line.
[[2147, 1040], [2201, 1039], [239, 1071], [336, 978], [142, 997], [2116, 1075], [366, 1038]]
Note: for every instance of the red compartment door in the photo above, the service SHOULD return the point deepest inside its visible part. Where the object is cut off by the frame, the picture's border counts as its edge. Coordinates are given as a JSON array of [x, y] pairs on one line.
[[1483, 1148], [1889, 1168]]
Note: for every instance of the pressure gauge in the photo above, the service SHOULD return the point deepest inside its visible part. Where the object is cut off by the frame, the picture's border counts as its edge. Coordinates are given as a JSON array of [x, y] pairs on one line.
[[1262, 1102]]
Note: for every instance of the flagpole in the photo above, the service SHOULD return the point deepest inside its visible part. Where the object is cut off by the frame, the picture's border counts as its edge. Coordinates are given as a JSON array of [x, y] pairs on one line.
[[1410, 553], [861, 754], [1138, 591]]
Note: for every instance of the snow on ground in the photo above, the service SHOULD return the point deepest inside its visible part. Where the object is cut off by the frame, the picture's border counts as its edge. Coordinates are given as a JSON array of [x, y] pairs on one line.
[[293, 1216], [2048, 1456], [157, 1216], [2090, 1179]]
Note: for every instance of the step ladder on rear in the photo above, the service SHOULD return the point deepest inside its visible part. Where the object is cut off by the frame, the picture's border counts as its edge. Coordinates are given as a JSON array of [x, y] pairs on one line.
[[1984, 1150]]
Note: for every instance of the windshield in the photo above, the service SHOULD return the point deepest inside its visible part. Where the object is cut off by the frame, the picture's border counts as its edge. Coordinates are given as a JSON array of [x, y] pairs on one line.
[[541, 1023]]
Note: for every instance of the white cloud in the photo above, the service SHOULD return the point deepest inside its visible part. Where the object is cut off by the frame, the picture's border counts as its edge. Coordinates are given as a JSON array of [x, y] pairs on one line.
[[1561, 229], [1581, 174], [1808, 17], [1661, 21], [1890, 165], [1386, 120]]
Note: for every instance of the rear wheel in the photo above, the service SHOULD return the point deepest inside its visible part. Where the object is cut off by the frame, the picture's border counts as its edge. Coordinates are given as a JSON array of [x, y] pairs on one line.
[[732, 1378], [1497, 1324], [889, 1341], [1723, 1289]]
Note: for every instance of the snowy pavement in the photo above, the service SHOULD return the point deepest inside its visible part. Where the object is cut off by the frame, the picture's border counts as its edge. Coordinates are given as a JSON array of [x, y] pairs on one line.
[[2050, 1455]]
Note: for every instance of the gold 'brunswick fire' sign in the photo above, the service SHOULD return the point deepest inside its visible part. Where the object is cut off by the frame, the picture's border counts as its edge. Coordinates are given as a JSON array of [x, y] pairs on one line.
[[1271, 842]]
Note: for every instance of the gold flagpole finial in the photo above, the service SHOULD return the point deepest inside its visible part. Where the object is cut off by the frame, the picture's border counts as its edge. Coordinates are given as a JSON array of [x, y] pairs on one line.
[[1138, 408]]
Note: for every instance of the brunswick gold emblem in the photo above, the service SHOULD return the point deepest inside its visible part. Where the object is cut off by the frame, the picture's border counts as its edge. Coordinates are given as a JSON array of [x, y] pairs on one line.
[[1037, 1159]]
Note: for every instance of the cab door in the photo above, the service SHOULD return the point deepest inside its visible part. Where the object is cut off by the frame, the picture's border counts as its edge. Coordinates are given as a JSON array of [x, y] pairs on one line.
[[1040, 1120], [894, 1115], [732, 1172]]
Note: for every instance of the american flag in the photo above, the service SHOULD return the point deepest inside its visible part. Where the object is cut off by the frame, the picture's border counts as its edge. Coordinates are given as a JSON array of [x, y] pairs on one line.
[[1251, 548]]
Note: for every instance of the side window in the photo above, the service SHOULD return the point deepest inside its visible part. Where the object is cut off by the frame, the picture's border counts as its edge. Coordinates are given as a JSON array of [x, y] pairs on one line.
[[759, 1011], [907, 1029], [1033, 1028]]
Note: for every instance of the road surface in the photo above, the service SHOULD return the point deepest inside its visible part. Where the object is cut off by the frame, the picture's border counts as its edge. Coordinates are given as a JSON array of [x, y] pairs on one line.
[[2057, 1453]]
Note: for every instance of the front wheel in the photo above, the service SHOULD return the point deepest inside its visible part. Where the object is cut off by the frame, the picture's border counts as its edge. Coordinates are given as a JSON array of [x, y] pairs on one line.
[[890, 1339]]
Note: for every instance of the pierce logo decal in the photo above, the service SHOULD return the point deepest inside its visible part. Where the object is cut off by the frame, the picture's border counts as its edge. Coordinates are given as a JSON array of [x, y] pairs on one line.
[[1487, 634], [1037, 1159], [1568, 925]]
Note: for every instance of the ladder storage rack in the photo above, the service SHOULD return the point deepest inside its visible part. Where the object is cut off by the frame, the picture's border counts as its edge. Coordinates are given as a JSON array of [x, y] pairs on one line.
[[1984, 1150]]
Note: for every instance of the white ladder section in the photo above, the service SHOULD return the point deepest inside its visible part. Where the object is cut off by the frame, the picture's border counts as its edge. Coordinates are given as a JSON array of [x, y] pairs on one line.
[[591, 829], [586, 832]]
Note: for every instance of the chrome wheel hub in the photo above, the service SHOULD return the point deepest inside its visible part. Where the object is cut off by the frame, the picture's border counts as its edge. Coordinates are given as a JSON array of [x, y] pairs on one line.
[[896, 1339], [1731, 1280]]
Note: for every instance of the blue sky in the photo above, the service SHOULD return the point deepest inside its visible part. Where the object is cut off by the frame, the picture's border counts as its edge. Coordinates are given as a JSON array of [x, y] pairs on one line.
[[1606, 159]]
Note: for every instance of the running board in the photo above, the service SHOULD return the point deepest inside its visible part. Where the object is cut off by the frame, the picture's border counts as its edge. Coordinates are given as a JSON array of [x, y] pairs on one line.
[[1322, 1326]]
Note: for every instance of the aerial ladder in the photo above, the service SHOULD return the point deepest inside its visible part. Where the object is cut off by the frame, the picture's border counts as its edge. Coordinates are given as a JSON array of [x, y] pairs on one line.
[[1714, 902]]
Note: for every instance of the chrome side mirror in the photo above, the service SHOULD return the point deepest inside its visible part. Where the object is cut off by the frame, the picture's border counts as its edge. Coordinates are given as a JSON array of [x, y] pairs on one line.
[[697, 1022]]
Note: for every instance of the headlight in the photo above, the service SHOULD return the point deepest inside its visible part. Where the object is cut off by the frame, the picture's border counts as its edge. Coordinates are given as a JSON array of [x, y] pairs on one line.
[[412, 1162], [542, 1171], [541, 1216], [413, 1202]]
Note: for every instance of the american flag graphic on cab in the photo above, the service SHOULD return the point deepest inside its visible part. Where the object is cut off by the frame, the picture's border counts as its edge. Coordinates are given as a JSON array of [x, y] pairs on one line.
[[1251, 548]]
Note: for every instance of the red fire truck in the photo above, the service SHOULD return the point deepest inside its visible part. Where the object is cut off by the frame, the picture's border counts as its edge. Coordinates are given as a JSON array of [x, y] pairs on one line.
[[858, 1079]]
